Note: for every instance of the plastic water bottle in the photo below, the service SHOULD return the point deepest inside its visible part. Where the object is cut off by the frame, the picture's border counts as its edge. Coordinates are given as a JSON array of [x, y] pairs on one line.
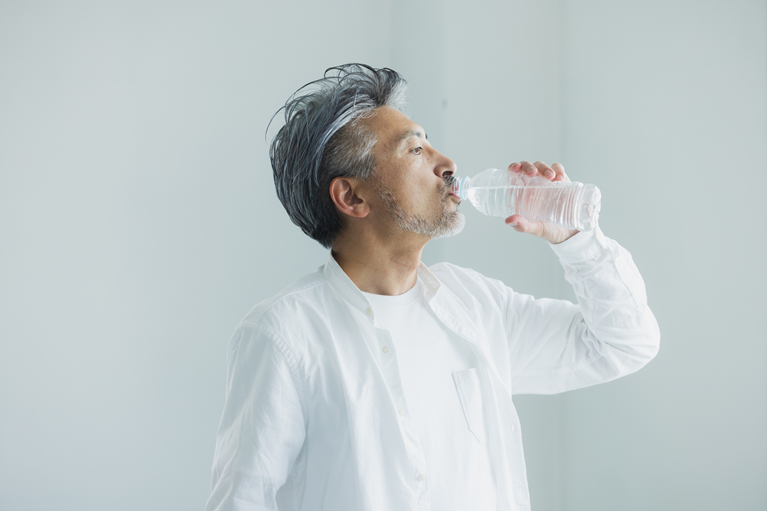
[[503, 193]]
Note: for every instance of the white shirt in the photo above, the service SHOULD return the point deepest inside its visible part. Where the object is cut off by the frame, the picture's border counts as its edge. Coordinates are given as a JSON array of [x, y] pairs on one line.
[[310, 423], [433, 361]]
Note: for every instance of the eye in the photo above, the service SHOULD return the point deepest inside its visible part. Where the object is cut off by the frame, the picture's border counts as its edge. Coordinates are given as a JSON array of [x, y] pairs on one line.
[[417, 150]]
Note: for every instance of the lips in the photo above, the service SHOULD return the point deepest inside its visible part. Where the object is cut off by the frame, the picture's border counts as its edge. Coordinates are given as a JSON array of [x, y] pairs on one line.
[[451, 193], [451, 187], [454, 186]]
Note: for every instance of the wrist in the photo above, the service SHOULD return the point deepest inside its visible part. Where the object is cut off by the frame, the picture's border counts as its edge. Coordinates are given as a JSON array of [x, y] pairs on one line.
[[567, 236]]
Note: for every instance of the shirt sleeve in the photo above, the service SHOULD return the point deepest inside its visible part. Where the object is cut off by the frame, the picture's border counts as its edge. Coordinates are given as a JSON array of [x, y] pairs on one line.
[[262, 427], [556, 345]]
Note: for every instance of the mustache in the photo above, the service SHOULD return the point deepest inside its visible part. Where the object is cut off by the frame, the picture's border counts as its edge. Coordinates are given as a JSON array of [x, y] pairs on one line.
[[448, 186], [449, 182]]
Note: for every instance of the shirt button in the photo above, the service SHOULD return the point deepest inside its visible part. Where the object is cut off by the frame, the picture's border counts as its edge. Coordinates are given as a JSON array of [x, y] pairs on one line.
[[421, 478], [401, 411], [368, 311], [385, 349]]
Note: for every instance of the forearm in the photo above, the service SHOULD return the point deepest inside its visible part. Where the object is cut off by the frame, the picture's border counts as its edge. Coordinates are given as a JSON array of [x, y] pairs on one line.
[[558, 346], [611, 294]]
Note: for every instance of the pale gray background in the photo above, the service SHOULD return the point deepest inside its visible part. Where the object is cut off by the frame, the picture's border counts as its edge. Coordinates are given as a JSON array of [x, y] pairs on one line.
[[139, 223]]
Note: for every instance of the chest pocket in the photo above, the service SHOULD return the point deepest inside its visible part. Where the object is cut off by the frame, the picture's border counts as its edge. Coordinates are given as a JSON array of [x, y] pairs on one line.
[[473, 386]]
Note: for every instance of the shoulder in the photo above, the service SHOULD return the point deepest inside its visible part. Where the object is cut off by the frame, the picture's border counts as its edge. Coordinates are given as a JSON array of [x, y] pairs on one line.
[[290, 307], [293, 322], [276, 332], [294, 300]]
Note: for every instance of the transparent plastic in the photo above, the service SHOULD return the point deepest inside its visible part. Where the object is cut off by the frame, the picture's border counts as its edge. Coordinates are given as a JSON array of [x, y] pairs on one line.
[[497, 192]]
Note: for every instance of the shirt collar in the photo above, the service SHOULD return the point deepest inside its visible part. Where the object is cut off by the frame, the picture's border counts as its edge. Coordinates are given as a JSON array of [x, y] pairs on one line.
[[341, 282], [349, 291], [445, 306], [430, 282]]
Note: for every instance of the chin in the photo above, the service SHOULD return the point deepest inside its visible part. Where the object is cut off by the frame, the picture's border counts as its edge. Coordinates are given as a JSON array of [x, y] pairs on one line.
[[456, 225]]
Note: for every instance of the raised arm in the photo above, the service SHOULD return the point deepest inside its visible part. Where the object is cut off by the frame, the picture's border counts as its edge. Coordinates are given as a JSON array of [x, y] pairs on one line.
[[556, 345]]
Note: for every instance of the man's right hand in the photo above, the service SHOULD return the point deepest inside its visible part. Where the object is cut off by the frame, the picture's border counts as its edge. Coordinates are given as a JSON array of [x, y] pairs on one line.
[[550, 232]]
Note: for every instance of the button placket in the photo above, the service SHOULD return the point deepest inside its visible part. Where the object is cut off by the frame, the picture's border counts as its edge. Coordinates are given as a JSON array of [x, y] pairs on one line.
[[390, 369]]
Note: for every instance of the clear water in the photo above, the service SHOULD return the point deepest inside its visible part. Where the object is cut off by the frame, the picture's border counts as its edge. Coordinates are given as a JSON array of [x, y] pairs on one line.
[[568, 204]]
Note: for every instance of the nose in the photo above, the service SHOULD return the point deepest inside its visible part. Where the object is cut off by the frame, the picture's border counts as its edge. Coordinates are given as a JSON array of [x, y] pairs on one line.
[[445, 166]]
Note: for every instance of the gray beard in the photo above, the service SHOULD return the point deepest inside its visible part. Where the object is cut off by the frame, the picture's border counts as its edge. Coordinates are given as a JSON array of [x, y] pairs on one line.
[[446, 225]]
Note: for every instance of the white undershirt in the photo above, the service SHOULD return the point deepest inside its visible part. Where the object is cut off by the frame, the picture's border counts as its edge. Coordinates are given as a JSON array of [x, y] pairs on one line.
[[427, 352]]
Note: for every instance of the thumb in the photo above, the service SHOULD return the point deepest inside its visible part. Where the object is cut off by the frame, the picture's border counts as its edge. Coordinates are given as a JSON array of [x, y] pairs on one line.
[[544, 230], [522, 224]]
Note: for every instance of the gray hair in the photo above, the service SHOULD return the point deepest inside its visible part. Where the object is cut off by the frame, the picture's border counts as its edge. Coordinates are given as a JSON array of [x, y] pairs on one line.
[[322, 140]]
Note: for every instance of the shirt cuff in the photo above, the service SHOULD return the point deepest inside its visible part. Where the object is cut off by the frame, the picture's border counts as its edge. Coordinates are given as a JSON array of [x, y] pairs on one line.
[[583, 247]]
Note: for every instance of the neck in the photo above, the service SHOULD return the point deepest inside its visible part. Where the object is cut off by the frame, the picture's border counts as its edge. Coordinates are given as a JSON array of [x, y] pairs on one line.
[[382, 267]]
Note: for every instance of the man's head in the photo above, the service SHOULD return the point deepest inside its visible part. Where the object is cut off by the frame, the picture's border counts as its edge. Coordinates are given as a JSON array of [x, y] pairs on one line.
[[332, 126], [412, 182]]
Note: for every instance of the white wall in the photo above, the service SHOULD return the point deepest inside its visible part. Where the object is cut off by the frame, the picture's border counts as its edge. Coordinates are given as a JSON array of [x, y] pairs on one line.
[[138, 224]]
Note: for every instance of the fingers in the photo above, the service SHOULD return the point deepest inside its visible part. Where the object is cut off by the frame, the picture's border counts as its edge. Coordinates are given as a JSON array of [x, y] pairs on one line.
[[515, 221], [544, 170], [560, 172], [521, 224], [556, 172], [549, 232], [525, 167]]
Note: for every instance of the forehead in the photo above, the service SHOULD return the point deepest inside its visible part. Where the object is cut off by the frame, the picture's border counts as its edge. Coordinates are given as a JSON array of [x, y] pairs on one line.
[[392, 127]]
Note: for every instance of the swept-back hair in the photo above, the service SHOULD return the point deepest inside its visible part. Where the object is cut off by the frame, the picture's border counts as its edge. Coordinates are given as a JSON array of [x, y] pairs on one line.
[[322, 139]]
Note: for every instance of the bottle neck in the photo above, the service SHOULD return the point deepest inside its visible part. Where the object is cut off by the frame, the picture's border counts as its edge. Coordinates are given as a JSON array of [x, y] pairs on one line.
[[461, 187]]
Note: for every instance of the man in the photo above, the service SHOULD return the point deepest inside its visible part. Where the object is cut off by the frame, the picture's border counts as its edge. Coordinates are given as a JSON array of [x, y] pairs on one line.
[[376, 383]]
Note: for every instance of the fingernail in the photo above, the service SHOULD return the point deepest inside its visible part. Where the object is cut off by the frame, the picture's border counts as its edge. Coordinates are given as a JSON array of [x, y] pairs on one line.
[[514, 224], [549, 172]]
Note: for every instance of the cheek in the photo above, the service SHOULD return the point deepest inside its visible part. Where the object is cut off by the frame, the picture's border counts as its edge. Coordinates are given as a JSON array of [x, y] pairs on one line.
[[419, 196], [411, 186]]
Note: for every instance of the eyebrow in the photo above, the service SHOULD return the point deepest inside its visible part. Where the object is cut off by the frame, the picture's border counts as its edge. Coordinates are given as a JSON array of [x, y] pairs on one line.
[[410, 133]]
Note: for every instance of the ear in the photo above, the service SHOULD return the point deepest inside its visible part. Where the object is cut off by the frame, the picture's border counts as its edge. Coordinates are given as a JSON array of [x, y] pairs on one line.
[[343, 191]]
